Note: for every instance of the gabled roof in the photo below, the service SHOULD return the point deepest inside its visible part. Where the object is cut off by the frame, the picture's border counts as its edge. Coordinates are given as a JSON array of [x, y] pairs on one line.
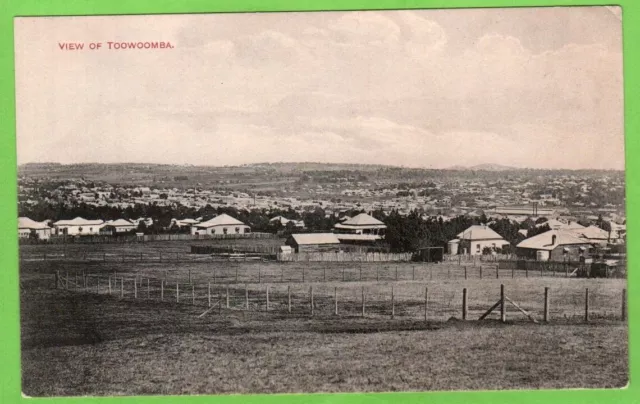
[[556, 224], [592, 232], [119, 222], [362, 220], [479, 232], [543, 241], [221, 220], [78, 221], [315, 238], [26, 223]]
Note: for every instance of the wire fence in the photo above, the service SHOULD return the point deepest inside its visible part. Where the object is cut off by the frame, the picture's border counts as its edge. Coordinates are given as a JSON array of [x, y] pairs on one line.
[[528, 300]]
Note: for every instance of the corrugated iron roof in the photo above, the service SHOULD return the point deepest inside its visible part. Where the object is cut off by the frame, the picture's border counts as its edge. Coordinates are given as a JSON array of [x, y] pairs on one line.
[[543, 241], [315, 238]]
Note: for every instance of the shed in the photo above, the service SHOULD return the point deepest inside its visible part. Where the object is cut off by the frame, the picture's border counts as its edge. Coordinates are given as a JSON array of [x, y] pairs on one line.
[[313, 242]]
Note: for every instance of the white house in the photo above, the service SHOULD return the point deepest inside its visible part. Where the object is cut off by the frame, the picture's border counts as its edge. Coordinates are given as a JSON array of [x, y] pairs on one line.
[[476, 238], [222, 224], [77, 226], [360, 227], [284, 221], [118, 226], [28, 227]]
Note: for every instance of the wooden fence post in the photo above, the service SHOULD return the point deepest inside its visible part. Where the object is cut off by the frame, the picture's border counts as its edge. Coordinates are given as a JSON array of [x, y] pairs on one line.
[[586, 305], [497, 272], [624, 305], [209, 294], [343, 274], [193, 294], [75, 285], [189, 275], [122, 287], [377, 274], [303, 274], [162, 289], [236, 274], [363, 302], [464, 303], [426, 300], [396, 272], [148, 289], [281, 275], [135, 289], [104, 257], [335, 299], [311, 298], [289, 298], [227, 296], [97, 285], [393, 303], [448, 272], [324, 274], [526, 270], [177, 291], [513, 270], [360, 270], [480, 271], [546, 305], [246, 296], [267, 306], [109, 285], [413, 273], [56, 279], [259, 275], [503, 314], [465, 272]]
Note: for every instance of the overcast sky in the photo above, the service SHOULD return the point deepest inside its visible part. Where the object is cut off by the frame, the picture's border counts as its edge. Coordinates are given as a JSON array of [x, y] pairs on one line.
[[527, 87]]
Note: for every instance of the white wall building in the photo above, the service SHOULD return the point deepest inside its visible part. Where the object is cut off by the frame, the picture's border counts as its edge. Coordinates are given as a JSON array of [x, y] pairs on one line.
[[77, 227], [222, 224]]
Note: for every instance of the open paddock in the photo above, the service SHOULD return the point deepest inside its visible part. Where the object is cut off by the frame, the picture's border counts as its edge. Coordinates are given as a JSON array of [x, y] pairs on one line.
[[436, 287], [99, 345]]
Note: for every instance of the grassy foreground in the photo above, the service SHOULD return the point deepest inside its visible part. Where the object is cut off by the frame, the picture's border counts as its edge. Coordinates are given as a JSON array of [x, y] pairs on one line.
[[87, 344]]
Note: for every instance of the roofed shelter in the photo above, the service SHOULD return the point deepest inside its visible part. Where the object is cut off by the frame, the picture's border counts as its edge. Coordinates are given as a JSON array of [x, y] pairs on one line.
[[77, 226], [30, 228], [477, 237], [554, 245], [221, 224], [313, 242], [361, 227]]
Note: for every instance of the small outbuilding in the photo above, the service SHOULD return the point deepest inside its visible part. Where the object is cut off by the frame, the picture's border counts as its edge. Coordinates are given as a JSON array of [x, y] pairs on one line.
[[555, 245], [313, 242]]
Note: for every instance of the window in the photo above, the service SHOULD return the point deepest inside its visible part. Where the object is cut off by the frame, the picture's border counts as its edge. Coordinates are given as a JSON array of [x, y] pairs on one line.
[[79, 229], [237, 230], [90, 229], [224, 230], [478, 247]]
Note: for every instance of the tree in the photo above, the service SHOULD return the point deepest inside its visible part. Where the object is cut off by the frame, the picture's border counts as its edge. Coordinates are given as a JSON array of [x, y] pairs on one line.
[[142, 227]]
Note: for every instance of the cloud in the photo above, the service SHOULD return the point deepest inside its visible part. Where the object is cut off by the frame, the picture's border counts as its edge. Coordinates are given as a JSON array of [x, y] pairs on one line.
[[392, 87]]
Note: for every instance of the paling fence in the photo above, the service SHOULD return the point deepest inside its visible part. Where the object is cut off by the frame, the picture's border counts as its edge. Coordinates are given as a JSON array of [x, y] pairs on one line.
[[132, 238], [345, 257], [524, 300]]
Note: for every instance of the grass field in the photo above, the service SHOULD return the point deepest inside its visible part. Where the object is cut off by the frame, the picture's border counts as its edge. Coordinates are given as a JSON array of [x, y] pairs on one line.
[[86, 342], [104, 346]]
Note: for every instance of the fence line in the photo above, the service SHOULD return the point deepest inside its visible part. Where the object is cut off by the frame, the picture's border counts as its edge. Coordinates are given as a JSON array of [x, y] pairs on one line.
[[362, 301], [344, 257], [133, 238]]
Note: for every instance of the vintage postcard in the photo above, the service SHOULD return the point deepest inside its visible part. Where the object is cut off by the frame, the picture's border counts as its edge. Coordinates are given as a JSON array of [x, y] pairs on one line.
[[362, 201]]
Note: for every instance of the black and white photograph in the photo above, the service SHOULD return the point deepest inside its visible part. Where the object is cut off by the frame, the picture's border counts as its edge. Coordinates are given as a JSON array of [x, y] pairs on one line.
[[321, 202]]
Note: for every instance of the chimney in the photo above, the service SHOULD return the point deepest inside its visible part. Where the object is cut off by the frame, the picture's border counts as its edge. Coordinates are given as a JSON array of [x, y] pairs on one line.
[[553, 239]]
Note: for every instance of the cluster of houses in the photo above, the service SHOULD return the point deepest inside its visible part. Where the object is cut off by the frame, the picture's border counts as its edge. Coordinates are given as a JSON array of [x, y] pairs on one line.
[[565, 240]]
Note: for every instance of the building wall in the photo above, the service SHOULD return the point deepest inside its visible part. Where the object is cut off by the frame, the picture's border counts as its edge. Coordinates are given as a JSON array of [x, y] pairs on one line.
[[475, 247], [557, 254], [75, 230], [239, 229], [43, 234]]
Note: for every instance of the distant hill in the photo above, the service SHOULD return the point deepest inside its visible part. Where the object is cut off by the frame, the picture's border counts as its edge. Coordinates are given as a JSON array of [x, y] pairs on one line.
[[485, 167]]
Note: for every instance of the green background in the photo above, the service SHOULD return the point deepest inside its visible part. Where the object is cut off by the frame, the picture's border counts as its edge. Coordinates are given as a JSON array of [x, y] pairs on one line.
[[9, 287]]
